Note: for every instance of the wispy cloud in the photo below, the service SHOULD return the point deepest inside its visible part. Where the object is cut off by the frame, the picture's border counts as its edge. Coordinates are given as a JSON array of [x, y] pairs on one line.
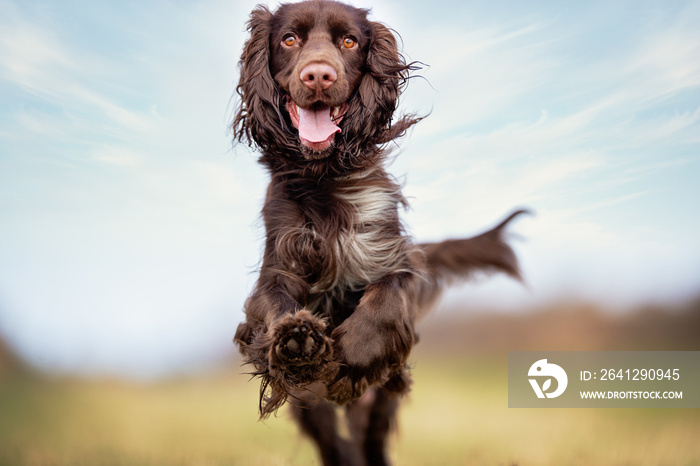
[[38, 61], [527, 114], [119, 196]]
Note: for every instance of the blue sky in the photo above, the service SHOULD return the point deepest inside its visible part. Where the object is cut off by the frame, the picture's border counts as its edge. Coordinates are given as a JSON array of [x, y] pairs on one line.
[[129, 229]]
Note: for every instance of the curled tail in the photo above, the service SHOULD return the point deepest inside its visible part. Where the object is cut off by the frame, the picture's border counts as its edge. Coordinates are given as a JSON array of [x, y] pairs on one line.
[[458, 259]]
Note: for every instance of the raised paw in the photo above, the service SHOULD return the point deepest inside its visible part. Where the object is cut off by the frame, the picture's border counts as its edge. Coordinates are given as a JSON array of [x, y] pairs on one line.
[[300, 340], [290, 356], [366, 353]]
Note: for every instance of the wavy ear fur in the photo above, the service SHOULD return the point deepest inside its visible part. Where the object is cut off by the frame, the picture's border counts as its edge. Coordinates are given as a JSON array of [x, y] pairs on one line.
[[378, 91], [258, 120]]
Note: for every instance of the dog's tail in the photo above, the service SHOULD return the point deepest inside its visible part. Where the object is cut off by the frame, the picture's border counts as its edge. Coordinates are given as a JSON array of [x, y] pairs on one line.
[[459, 259]]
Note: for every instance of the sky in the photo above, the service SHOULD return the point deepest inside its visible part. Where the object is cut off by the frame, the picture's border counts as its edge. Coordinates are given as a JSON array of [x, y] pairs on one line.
[[129, 223]]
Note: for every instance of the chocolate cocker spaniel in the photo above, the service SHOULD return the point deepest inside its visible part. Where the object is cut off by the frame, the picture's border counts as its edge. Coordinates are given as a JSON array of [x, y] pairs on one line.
[[331, 319]]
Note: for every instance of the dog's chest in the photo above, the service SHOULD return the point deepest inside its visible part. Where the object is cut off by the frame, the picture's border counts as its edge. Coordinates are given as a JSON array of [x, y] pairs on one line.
[[366, 246], [372, 246]]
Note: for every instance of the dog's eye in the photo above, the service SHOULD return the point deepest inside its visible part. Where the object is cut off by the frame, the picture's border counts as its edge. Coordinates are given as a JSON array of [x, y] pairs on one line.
[[289, 41], [349, 42]]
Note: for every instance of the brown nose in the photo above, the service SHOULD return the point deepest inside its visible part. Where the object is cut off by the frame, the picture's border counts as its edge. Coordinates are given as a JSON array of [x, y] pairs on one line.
[[318, 76]]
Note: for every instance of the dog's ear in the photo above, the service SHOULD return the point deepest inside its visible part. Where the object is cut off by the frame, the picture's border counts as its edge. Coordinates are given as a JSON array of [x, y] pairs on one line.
[[379, 86], [379, 89], [258, 120], [386, 69]]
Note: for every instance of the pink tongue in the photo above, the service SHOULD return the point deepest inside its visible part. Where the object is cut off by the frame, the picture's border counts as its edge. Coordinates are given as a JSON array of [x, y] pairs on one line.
[[316, 125]]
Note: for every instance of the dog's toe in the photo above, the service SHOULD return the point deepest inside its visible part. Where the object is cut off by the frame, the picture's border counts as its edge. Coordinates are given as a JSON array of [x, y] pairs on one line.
[[292, 346]]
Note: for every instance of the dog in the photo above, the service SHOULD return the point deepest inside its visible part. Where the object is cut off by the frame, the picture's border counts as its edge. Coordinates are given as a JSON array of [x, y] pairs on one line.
[[331, 320]]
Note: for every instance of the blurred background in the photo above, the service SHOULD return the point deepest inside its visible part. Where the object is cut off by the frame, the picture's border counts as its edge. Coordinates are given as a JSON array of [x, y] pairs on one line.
[[130, 231]]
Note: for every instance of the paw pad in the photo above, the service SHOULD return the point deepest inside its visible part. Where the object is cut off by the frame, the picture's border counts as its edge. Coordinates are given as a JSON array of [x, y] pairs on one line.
[[300, 341]]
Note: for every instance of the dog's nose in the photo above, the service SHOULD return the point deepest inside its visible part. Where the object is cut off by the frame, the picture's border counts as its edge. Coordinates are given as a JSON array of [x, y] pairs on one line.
[[318, 76]]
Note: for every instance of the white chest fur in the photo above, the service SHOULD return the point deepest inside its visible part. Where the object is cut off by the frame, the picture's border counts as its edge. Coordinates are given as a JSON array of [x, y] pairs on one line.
[[373, 246]]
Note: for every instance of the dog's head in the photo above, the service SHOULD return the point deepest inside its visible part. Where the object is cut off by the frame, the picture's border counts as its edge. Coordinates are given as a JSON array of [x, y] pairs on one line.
[[319, 86]]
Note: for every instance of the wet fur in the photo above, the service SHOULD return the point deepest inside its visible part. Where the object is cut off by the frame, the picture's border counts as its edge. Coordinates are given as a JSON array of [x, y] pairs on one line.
[[332, 317]]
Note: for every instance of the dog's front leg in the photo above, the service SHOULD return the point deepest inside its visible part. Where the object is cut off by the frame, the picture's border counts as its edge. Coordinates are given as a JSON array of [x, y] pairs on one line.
[[285, 343], [371, 346]]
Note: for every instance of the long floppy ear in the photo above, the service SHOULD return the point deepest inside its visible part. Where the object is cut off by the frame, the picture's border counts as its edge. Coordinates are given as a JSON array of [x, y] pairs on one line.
[[379, 89], [258, 120]]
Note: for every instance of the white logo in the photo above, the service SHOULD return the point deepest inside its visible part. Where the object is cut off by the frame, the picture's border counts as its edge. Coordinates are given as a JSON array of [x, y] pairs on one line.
[[543, 369]]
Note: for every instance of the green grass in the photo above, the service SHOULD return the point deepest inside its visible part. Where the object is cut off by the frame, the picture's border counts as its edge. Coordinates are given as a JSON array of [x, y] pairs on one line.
[[457, 414]]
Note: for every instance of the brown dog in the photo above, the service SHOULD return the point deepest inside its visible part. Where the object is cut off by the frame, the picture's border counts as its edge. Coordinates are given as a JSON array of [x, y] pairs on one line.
[[331, 319]]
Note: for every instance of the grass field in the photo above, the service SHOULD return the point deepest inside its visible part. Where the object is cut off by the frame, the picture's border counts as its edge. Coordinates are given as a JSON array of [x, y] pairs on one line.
[[457, 414]]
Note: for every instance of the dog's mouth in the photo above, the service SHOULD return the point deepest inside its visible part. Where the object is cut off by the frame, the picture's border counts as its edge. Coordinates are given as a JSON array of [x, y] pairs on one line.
[[317, 125]]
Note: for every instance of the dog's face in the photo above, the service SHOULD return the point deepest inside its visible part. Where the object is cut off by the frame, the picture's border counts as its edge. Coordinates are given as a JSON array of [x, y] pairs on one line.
[[318, 53], [319, 86]]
